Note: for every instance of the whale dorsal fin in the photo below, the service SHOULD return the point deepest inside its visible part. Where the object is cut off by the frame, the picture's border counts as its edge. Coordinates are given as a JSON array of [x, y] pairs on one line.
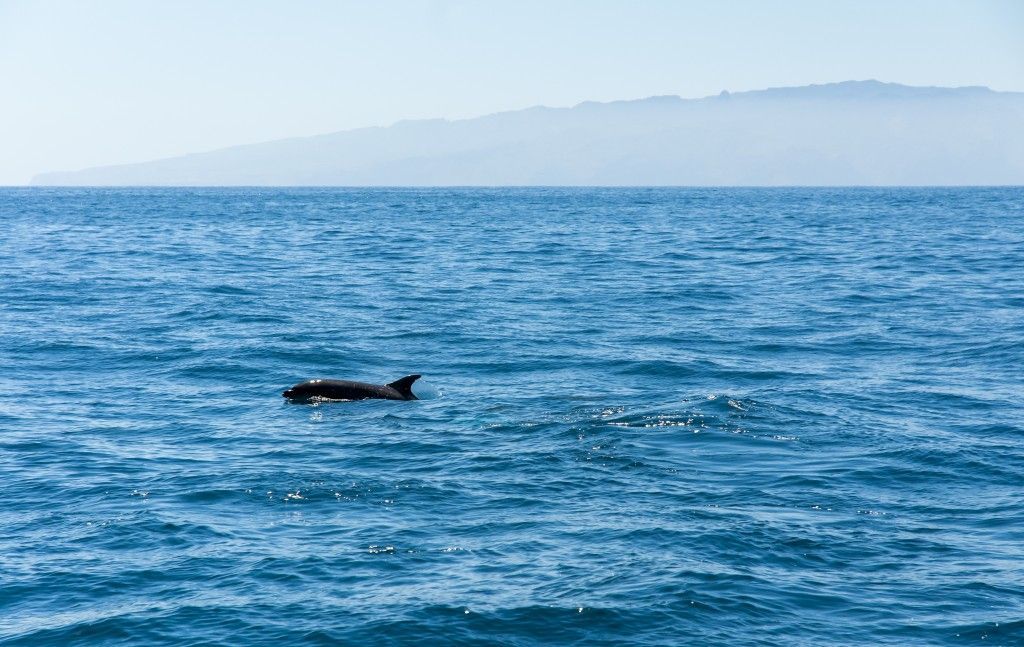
[[404, 385]]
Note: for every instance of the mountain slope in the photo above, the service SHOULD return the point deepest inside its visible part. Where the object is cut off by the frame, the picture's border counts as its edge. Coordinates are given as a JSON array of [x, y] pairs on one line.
[[856, 132]]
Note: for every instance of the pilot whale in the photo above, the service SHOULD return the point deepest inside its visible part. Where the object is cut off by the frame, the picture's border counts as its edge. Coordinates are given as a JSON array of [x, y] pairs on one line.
[[314, 390]]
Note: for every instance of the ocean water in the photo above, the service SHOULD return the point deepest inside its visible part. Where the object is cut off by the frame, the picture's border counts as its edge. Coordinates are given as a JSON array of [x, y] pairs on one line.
[[649, 416]]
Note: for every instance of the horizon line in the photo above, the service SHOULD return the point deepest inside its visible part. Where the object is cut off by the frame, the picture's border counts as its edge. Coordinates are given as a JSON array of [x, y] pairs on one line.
[[49, 187]]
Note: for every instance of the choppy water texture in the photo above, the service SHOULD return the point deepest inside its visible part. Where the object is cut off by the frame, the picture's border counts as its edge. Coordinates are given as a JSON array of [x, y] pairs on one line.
[[659, 416]]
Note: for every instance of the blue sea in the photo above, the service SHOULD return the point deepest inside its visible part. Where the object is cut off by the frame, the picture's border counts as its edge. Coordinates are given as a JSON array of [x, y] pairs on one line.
[[647, 416]]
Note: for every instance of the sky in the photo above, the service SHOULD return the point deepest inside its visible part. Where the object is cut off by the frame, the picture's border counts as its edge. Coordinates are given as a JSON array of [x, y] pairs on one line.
[[107, 82]]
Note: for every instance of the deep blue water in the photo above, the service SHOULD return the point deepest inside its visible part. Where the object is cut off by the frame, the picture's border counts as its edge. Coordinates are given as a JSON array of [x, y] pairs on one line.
[[651, 416]]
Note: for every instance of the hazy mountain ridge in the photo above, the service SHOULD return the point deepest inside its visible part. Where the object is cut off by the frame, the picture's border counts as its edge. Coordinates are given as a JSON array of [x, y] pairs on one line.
[[856, 132]]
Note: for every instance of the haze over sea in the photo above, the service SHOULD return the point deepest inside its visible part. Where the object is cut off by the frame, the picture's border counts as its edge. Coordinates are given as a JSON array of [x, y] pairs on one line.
[[649, 416]]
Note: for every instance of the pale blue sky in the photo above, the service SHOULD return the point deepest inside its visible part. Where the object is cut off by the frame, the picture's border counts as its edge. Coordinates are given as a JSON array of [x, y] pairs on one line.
[[90, 83]]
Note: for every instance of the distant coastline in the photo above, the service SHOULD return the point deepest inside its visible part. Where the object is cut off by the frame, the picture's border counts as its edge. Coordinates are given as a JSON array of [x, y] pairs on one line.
[[854, 133]]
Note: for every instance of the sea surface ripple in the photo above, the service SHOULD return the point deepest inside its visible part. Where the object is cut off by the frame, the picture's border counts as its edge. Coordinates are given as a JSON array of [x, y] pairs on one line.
[[651, 416]]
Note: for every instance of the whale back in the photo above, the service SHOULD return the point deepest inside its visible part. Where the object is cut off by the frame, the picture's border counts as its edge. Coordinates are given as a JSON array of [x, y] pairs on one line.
[[320, 389], [404, 386]]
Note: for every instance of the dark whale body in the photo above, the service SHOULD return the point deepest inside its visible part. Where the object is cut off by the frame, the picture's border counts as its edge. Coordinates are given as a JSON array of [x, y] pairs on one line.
[[315, 390]]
